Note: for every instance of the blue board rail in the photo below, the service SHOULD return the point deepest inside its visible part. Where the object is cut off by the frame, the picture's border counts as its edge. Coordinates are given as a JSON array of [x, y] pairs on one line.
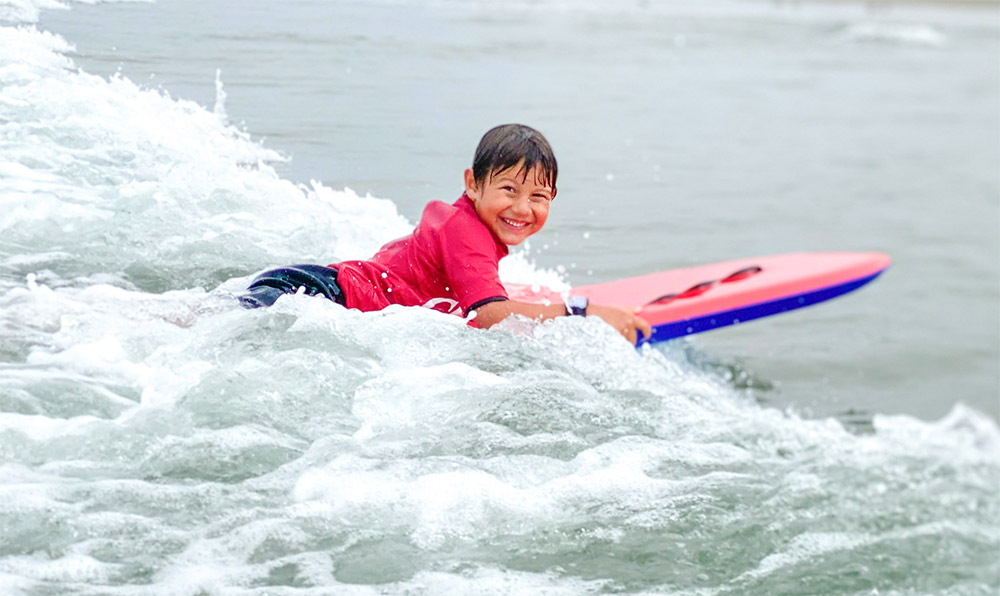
[[725, 318]]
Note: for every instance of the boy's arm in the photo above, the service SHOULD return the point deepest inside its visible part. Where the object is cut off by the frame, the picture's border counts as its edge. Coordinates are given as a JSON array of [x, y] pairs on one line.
[[625, 322]]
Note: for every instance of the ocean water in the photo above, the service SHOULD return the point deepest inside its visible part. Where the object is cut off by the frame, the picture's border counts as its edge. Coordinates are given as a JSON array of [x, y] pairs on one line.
[[155, 438]]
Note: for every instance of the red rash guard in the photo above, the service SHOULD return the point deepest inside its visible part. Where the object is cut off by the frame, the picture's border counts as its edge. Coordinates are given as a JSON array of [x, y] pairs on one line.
[[449, 262]]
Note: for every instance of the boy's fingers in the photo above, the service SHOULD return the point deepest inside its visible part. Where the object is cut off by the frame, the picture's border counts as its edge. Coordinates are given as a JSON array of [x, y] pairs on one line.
[[644, 326], [633, 325]]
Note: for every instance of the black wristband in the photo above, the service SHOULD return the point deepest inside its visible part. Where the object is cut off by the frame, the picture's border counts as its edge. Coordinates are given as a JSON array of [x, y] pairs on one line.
[[577, 305]]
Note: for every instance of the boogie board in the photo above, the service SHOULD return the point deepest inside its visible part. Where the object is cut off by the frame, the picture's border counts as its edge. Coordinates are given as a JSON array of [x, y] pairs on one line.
[[696, 299]]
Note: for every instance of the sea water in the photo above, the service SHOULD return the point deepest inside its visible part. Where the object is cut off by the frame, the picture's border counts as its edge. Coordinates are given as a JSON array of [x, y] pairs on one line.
[[155, 438]]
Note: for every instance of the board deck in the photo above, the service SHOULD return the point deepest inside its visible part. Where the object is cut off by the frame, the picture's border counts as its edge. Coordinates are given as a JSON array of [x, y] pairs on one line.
[[697, 299]]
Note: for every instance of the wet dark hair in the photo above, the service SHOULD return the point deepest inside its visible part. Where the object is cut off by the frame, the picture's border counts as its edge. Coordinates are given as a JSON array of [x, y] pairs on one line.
[[505, 146]]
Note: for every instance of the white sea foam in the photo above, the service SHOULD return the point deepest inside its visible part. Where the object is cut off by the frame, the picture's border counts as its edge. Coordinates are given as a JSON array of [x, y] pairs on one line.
[[30, 54], [962, 432], [807, 546], [894, 33], [388, 401], [125, 172], [71, 568], [28, 11]]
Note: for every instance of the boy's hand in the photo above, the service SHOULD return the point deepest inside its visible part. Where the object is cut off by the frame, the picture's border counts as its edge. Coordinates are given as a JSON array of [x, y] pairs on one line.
[[625, 322]]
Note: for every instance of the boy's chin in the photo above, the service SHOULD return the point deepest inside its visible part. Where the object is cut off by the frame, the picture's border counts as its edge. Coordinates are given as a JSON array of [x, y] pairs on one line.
[[516, 241]]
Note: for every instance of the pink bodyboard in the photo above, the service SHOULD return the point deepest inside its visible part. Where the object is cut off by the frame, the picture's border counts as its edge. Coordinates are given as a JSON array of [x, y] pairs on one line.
[[705, 297]]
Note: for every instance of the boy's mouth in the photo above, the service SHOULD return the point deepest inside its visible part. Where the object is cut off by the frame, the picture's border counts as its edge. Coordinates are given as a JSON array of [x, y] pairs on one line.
[[513, 223]]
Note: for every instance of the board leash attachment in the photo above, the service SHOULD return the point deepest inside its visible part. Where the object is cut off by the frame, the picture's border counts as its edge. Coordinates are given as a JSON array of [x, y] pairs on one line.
[[700, 288]]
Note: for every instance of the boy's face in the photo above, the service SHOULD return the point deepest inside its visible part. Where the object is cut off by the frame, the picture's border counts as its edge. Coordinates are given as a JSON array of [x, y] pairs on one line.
[[513, 204]]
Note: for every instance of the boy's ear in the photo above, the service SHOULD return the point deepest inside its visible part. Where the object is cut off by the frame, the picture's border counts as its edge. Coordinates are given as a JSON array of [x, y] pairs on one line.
[[471, 188]]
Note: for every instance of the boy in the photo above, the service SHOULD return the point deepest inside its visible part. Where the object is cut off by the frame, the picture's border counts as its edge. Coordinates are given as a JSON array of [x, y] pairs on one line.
[[450, 261]]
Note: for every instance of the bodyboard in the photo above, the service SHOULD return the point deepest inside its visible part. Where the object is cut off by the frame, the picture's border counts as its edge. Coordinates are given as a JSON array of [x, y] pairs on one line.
[[696, 299]]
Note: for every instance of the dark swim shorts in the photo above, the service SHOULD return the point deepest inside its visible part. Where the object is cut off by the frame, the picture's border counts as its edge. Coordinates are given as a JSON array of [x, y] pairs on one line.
[[315, 279]]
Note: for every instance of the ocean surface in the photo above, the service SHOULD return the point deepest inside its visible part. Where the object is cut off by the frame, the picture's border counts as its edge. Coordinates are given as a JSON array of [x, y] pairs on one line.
[[157, 439]]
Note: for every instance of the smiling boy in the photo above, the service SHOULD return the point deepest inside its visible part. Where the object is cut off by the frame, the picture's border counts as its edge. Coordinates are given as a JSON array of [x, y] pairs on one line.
[[451, 260]]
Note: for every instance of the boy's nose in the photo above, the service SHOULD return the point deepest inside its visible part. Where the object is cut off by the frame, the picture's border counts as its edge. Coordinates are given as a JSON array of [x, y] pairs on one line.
[[522, 205]]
